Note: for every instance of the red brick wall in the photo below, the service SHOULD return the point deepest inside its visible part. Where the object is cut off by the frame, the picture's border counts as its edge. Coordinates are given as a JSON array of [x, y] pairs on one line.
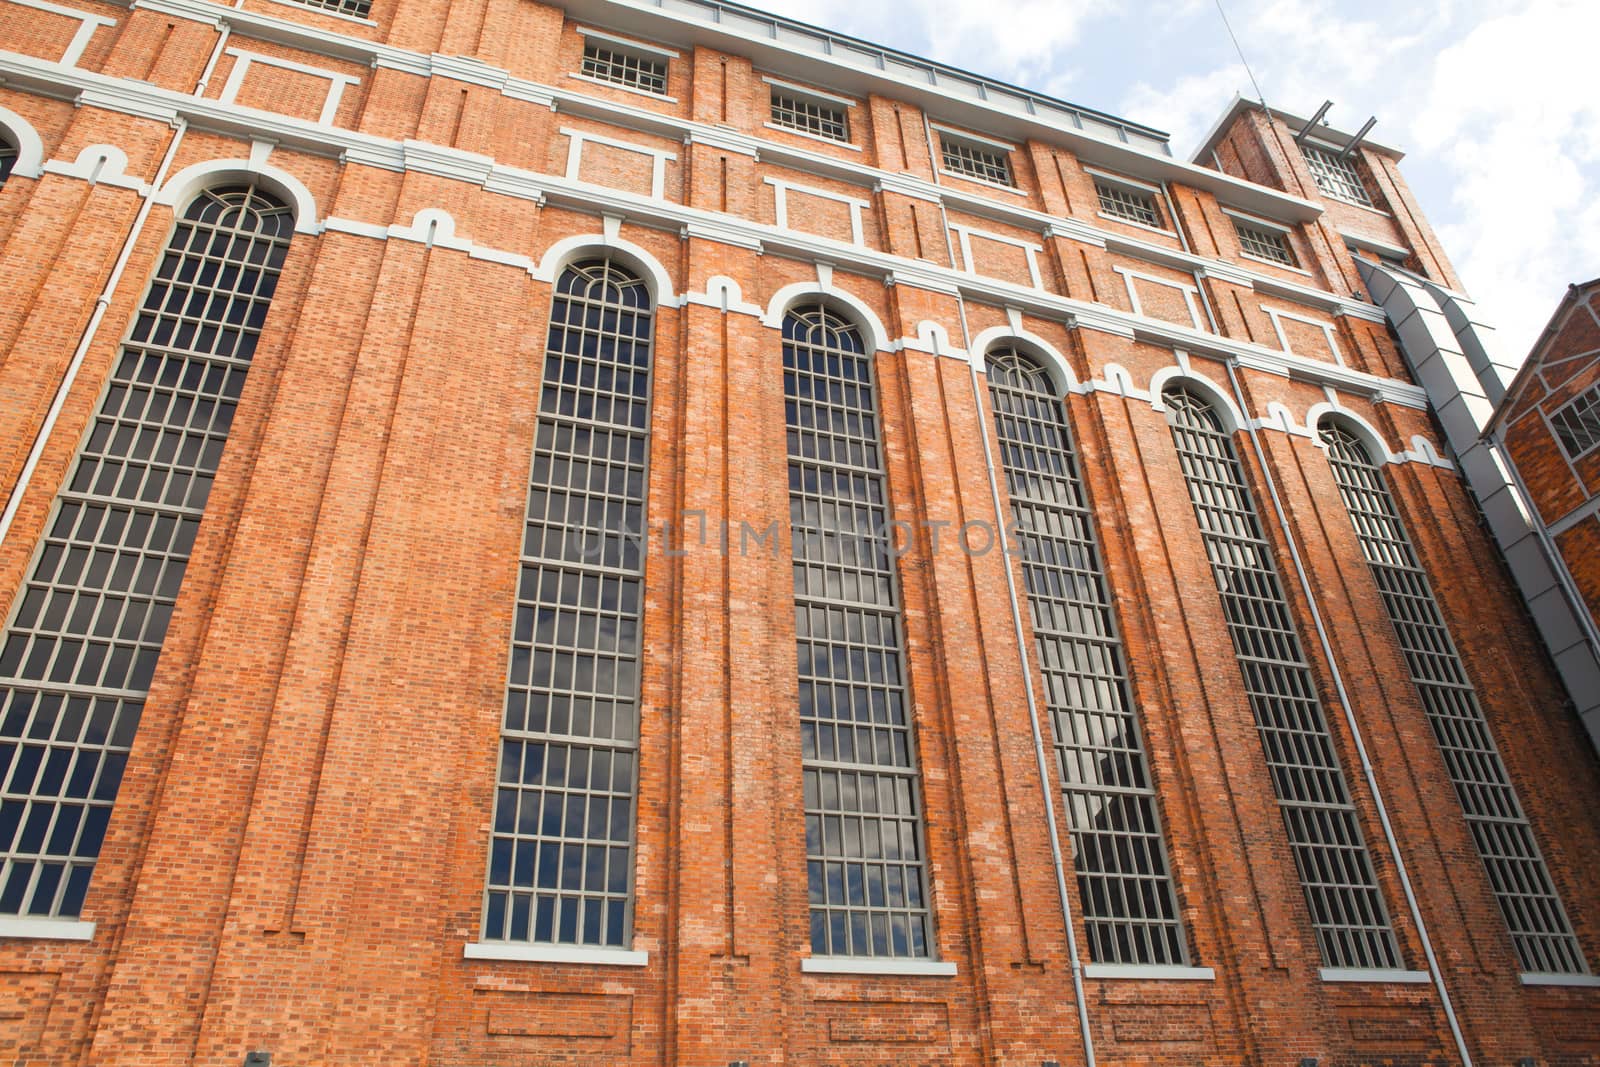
[[298, 851]]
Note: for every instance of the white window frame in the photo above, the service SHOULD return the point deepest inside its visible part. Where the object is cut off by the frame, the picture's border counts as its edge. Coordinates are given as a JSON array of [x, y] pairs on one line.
[[780, 195], [1259, 223], [1190, 293], [978, 141], [1155, 191], [660, 157], [964, 235], [1277, 315], [776, 85], [627, 46]]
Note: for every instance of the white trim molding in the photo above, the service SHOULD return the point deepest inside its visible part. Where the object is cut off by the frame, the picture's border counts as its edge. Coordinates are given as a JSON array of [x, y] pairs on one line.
[[1375, 974], [579, 954], [46, 929], [780, 193], [1585, 981], [1278, 314], [1190, 292], [965, 234], [660, 157], [243, 60], [888, 965], [30, 149], [1149, 972], [88, 22]]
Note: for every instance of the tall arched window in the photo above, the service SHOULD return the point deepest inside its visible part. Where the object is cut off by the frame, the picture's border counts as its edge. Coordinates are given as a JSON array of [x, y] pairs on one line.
[[1124, 881], [77, 658], [1335, 868], [8, 159], [1521, 882], [561, 854], [863, 799]]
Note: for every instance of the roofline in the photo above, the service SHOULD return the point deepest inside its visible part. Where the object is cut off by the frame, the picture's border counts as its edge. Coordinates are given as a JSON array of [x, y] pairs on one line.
[[795, 50], [1536, 352], [1328, 134], [726, 14]]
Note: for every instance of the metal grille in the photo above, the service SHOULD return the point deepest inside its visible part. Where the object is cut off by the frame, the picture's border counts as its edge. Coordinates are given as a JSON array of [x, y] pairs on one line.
[[77, 659], [1335, 868], [1134, 205], [561, 851], [8, 159], [1577, 425], [975, 161], [645, 73], [354, 8], [1335, 175], [1263, 243], [811, 116], [863, 805], [1124, 880], [1539, 928]]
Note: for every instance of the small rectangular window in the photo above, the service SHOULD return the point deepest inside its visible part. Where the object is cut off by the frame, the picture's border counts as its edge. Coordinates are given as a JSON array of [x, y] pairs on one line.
[[1128, 203], [808, 114], [358, 9], [1336, 175], [975, 159], [609, 62], [1577, 424], [1264, 242]]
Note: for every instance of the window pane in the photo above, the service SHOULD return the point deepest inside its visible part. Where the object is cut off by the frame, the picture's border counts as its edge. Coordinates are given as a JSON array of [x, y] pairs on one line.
[[1521, 882], [1124, 202], [809, 115], [1347, 910], [863, 802], [976, 160], [645, 73], [76, 662], [1335, 175], [1124, 885], [562, 847]]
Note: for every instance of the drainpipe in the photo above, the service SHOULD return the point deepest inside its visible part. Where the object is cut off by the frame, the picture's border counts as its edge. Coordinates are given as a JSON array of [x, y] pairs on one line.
[[1039, 753], [1350, 720], [103, 301]]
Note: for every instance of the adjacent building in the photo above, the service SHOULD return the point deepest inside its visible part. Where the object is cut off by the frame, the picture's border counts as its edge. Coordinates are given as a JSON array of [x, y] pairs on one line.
[[603, 532]]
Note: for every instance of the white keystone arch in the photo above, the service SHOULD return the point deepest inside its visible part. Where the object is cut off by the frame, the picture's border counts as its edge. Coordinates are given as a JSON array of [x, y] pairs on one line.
[[569, 250], [851, 307], [30, 149], [1377, 448], [1054, 363], [1233, 419], [185, 185]]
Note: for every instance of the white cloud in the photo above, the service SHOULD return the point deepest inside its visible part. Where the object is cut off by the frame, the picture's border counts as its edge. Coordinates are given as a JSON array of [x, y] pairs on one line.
[[1512, 111]]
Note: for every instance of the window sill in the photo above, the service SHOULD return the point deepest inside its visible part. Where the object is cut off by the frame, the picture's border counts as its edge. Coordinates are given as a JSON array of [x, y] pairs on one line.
[[357, 19], [808, 135], [875, 965], [1274, 263], [1012, 189], [1373, 974], [1588, 981], [1145, 226], [1354, 203], [604, 957], [1153, 972], [647, 94], [46, 929]]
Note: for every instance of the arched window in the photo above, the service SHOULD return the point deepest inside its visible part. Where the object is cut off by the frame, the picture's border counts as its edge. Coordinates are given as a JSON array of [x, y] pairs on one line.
[[1124, 880], [8, 158], [1538, 923], [863, 798], [1335, 868], [561, 854], [77, 658]]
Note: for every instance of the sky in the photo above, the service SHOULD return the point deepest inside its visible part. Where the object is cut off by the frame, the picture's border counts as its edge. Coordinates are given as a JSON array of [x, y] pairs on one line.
[[1496, 104]]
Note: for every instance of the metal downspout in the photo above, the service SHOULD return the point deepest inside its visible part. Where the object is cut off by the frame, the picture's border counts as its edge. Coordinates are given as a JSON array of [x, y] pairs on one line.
[[1350, 720], [1039, 753]]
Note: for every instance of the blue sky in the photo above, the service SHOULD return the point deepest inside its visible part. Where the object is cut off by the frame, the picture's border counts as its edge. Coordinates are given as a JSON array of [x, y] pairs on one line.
[[1496, 104]]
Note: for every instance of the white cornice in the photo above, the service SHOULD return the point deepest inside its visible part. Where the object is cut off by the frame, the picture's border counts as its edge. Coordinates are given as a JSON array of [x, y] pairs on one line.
[[131, 97]]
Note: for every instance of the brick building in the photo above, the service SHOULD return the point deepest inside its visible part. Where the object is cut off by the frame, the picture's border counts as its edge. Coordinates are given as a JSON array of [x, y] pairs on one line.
[[738, 545], [1546, 428]]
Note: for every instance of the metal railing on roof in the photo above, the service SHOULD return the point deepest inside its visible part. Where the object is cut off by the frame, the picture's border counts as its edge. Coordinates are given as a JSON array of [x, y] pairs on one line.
[[851, 51]]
